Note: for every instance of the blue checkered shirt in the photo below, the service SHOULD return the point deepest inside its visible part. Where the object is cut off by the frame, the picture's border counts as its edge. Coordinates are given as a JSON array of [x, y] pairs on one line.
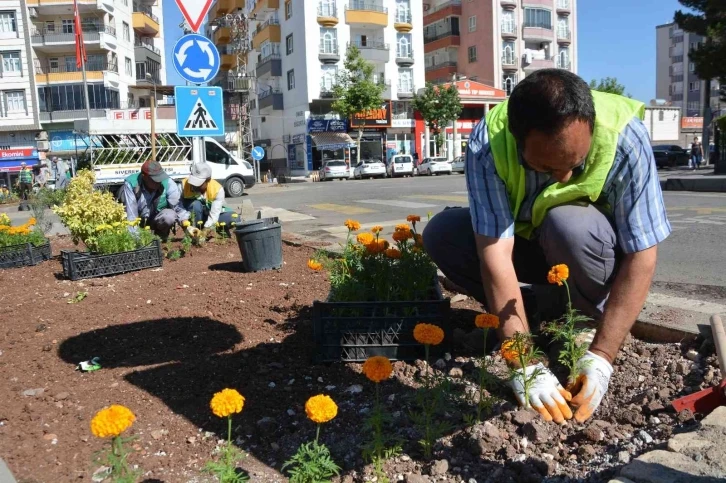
[[632, 189]]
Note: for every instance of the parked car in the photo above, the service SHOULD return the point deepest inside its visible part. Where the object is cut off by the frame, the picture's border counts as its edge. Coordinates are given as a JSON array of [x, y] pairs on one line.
[[670, 155], [370, 168], [431, 166], [334, 169], [400, 165], [458, 165]]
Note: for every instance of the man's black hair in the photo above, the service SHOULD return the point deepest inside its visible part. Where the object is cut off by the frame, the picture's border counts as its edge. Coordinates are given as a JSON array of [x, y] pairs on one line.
[[548, 100]]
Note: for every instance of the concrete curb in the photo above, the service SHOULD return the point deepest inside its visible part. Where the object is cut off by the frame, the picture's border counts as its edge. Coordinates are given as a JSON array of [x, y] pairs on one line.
[[5, 475], [712, 184]]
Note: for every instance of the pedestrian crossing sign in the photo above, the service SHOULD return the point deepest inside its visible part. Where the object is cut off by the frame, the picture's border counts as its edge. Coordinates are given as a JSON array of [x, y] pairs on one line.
[[199, 111]]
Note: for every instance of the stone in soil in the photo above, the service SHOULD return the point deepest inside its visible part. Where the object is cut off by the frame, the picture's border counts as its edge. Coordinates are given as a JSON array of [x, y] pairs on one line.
[[440, 467], [523, 417], [536, 431], [593, 434]]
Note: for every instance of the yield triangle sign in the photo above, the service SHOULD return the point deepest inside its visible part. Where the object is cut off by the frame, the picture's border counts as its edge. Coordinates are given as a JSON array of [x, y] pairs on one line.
[[199, 119], [194, 11]]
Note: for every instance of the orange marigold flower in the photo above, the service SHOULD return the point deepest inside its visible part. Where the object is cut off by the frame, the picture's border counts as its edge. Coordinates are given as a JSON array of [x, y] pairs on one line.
[[315, 265], [377, 368], [428, 334], [401, 236], [393, 253], [31, 222], [352, 225], [413, 218], [226, 403], [365, 238], [403, 227], [377, 229], [377, 246], [508, 351], [558, 274], [112, 421], [487, 321], [321, 408]]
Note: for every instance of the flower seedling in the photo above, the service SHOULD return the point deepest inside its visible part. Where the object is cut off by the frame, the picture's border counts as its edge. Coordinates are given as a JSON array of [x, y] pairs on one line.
[[224, 404], [520, 353], [484, 402], [110, 422]]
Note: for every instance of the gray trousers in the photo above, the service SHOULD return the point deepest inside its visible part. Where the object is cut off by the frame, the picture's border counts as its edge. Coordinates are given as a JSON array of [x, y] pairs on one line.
[[162, 222], [579, 236]]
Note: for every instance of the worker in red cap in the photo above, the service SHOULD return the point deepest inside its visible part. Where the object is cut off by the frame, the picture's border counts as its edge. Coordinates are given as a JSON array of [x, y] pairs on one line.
[[151, 196]]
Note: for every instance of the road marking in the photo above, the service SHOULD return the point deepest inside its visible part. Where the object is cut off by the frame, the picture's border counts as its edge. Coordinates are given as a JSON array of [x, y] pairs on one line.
[[701, 210], [283, 214], [454, 199], [686, 304], [343, 209], [701, 220], [397, 203]]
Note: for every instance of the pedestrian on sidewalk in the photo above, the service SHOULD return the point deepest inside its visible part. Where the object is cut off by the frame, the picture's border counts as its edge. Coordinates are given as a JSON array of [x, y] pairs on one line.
[[25, 181], [61, 173], [558, 174], [696, 153]]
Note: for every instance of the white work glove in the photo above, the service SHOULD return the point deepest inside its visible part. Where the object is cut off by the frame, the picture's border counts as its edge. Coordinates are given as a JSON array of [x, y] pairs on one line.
[[192, 232], [591, 383], [546, 394]]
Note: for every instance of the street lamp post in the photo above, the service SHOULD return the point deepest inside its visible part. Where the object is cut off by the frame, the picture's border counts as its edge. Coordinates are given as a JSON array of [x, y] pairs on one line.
[[150, 77]]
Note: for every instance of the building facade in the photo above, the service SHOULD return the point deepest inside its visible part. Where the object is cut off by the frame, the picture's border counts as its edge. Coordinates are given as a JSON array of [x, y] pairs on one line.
[[298, 50], [498, 42]]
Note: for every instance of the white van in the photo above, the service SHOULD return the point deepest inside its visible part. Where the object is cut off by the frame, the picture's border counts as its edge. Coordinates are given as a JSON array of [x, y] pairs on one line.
[[400, 165]]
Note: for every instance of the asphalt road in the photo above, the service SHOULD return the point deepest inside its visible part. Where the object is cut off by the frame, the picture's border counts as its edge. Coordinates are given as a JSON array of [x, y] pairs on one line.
[[691, 261]]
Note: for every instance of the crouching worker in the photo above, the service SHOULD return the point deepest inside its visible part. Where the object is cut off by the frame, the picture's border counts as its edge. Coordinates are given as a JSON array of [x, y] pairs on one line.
[[203, 197], [155, 199]]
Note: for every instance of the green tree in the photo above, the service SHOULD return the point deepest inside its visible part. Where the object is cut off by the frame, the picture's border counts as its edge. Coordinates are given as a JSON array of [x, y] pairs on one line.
[[355, 89], [438, 105], [708, 18], [609, 85]]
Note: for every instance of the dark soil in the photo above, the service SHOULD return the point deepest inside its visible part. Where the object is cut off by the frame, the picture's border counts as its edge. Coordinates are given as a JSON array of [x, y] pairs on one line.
[[169, 338]]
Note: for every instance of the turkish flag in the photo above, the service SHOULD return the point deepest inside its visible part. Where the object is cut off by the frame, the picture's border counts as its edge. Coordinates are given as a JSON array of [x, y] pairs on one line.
[[81, 56]]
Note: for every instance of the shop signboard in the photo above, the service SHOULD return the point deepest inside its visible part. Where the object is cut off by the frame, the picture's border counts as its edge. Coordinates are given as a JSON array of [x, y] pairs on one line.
[[326, 125], [380, 117]]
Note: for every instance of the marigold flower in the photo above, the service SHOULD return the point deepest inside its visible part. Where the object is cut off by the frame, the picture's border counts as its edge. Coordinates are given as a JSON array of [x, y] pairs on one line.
[[31, 222], [508, 351], [321, 408], [147, 228], [393, 253], [200, 223], [352, 225], [112, 421], [376, 229], [401, 236], [486, 321], [235, 215], [377, 246], [558, 274], [185, 223], [413, 218], [403, 227], [315, 265], [428, 334], [377, 368], [227, 402], [365, 238], [223, 224]]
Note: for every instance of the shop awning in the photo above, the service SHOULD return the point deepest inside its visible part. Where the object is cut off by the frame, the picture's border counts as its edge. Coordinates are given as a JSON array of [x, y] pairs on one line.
[[332, 140]]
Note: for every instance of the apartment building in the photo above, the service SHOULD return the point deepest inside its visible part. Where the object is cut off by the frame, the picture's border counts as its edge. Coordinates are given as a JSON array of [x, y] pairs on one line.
[[498, 42], [298, 50]]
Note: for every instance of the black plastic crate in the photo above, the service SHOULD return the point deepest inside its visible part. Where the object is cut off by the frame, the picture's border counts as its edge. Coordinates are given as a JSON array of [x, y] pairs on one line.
[[79, 265], [355, 331], [24, 255]]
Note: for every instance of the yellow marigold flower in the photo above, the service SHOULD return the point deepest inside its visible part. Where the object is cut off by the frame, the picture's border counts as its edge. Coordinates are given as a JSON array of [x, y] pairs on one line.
[[508, 351], [235, 215], [147, 228], [315, 265], [403, 227], [321, 408], [100, 228], [486, 321], [365, 238], [393, 253], [352, 225], [428, 334], [112, 421], [377, 368], [376, 229], [558, 274], [401, 236], [200, 223], [31, 222], [227, 402], [185, 223], [223, 224], [413, 218]]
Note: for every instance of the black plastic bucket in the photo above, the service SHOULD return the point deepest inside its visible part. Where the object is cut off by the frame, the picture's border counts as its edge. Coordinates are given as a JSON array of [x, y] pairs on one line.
[[260, 244]]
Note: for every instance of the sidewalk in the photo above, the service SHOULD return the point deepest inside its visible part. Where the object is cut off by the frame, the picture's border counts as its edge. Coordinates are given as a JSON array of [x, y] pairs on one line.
[[689, 180]]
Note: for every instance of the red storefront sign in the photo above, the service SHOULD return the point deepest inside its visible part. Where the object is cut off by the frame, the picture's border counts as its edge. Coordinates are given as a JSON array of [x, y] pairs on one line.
[[20, 153], [131, 114]]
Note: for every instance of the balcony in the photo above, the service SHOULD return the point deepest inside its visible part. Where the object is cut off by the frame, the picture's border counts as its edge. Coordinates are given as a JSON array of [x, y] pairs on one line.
[[271, 98], [372, 50], [366, 13], [222, 36], [328, 53], [223, 7], [261, 5], [326, 92], [143, 81], [404, 58], [54, 41], [227, 61], [442, 65], [327, 15], [143, 49], [145, 22], [71, 115], [509, 4], [267, 31], [405, 90], [271, 64], [441, 11], [510, 63], [65, 7], [562, 7], [45, 73], [538, 34], [509, 30], [403, 21], [538, 64], [564, 36], [564, 64]]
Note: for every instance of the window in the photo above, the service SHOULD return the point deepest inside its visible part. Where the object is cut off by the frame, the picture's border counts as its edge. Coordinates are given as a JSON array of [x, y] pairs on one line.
[[53, 64], [329, 75], [691, 67], [508, 83], [403, 11], [508, 24], [472, 54], [67, 27], [508, 53], [563, 28], [10, 62], [129, 67], [563, 58], [472, 23], [661, 115], [537, 17], [14, 101], [405, 81], [288, 10], [694, 86], [7, 22], [69, 97], [127, 32], [288, 44], [327, 8], [126, 3], [328, 41], [290, 79], [50, 26], [403, 46]]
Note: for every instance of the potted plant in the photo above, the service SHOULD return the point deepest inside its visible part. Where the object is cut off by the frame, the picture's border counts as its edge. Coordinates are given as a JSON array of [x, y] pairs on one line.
[[22, 245]]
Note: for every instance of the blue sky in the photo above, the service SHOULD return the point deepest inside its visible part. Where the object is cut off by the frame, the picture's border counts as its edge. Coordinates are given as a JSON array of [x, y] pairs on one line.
[[616, 39]]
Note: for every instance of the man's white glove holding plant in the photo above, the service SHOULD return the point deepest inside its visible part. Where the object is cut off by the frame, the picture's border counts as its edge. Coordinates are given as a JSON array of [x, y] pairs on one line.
[[592, 378], [546, 395]]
